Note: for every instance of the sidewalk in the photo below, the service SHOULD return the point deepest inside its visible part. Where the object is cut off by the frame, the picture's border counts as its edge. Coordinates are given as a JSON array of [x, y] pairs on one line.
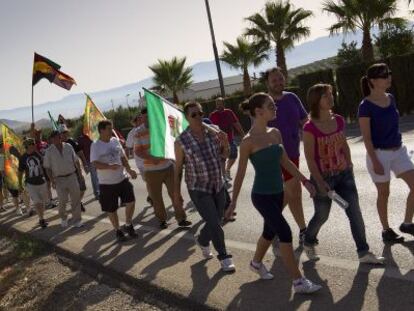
[[169, 264]]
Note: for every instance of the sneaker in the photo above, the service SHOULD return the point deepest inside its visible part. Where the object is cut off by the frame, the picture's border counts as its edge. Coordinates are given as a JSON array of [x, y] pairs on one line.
[[205, 250], [305, 286], [261, 270], [185, 223], [407, 228], [302, 234], [42, 223], [149, 201], [64, 223], [130, 230], [163, 225], [311, 252], [227, 265], [120, 236], [370, 258], [82, 207], [19, 212], [78, 224], [390, 236]]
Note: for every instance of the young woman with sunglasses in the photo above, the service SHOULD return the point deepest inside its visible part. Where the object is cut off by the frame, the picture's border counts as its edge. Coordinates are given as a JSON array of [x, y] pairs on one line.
[[379, 122], [263, 146]]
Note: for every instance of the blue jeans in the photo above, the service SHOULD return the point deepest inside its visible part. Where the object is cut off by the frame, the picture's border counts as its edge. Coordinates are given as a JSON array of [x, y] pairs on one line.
[[94, 179], [344, 185], [210, 206]]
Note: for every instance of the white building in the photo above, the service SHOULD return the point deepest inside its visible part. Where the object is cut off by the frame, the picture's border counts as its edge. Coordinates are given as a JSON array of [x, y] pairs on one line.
[[208, 89]]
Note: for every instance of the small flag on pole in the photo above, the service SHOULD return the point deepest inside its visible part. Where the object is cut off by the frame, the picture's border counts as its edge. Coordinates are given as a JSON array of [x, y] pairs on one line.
[[166, 122], [45, 68], [91, 119], [53, 122], [13, 149]]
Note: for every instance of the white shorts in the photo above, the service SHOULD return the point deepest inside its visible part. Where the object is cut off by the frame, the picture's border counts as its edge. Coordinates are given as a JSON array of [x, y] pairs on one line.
[[397, 161], [38, 193]]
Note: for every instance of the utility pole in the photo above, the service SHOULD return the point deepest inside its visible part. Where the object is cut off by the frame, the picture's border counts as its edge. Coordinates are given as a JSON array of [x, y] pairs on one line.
[[216, 56]]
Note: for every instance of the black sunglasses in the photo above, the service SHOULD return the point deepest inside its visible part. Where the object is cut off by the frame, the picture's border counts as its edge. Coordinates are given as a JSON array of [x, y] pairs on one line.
[[195, 114]]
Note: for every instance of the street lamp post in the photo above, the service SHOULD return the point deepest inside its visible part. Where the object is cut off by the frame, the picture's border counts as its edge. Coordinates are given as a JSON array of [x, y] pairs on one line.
[[216, 57], [127, 95]]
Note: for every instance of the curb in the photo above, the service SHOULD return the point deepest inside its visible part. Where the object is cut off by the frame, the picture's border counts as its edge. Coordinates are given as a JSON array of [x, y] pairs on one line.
[[146, 291]]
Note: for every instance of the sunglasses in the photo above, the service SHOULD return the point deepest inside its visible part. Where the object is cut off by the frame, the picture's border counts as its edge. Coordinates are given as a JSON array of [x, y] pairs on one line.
[[195, 114], [384, 75]]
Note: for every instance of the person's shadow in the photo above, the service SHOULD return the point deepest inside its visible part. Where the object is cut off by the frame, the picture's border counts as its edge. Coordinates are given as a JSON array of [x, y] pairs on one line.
[[395, 293], [266, 294]]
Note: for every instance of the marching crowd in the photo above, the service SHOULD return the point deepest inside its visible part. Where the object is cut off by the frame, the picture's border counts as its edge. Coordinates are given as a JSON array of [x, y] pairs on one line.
[[207, 150]]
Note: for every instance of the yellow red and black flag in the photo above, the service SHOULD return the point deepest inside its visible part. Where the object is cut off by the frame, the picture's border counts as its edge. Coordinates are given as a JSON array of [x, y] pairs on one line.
[[45, 68]]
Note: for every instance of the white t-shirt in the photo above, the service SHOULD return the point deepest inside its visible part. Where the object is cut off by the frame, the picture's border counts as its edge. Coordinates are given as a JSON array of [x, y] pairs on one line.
[[109, 153], [130, 143]]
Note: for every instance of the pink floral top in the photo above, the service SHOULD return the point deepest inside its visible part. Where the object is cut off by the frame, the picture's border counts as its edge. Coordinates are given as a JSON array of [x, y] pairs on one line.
[[329, 148]]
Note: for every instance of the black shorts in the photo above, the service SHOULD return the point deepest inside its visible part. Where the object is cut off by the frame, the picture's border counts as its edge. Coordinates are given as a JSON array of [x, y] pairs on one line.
[[109, 195]]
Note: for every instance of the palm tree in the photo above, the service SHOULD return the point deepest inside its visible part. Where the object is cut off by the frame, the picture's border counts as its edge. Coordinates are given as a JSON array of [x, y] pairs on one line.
[[242, 55], [282, 25], [362, 14], [172, 76]]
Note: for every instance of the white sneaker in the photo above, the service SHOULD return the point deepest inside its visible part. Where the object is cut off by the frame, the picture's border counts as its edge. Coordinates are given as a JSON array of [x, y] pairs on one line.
[[311, 252], [227, 265], [262, 271], [64, 223], [370, 258], [78, 224], [205, 250], [19, 212], [305, 286]]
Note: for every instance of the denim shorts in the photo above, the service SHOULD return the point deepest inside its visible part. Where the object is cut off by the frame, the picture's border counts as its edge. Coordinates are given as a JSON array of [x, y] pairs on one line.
[[233, 151]]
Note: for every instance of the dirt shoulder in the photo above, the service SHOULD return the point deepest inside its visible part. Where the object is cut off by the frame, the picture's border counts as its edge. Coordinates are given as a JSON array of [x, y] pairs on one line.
[[33, 278]]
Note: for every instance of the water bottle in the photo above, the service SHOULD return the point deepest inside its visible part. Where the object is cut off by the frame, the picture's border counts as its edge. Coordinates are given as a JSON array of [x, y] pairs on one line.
[[338, 199]]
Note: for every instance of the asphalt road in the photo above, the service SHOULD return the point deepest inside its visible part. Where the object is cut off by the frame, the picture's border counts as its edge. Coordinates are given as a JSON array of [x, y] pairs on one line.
[[335, 238]]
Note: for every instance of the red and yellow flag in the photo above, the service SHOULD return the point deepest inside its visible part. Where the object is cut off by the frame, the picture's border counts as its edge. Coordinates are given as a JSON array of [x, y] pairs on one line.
[[91, 119], [13, 149]]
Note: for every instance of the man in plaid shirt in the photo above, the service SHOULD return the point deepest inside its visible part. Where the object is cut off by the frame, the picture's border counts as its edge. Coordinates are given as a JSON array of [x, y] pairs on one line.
[[200, 150]]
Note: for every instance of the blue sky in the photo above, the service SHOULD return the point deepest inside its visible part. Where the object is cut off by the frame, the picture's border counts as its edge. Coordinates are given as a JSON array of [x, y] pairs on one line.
[[108, 43]]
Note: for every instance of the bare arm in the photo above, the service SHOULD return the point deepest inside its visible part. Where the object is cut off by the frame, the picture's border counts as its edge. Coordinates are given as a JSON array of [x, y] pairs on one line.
[[104, 166], [365, 126], [178, 170], [239, 128], [309, 148], [245, 150]]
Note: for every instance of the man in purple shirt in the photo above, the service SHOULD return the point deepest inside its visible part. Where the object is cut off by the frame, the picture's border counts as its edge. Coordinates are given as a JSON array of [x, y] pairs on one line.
[[290, 118]]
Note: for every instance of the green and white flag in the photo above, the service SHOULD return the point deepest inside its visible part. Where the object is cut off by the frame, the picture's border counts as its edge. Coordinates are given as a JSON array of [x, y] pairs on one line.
[[166, 122]]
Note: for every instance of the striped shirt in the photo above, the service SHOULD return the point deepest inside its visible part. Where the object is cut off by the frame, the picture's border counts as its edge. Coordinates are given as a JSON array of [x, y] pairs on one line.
[[202, 162], [142, 143]]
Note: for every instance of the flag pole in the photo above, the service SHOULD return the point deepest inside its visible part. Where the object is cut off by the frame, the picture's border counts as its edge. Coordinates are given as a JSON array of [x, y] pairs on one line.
[[32, 105]]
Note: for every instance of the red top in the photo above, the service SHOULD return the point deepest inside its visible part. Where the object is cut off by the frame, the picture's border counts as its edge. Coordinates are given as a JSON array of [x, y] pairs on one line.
[[329, 148], [225, 120]]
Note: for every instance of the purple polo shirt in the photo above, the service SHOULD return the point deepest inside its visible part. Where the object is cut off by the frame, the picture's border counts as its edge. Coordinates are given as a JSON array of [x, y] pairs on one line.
[[290, 112]]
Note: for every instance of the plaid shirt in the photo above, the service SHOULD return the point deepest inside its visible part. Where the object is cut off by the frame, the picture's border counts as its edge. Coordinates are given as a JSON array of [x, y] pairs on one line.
[[202, 162]]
